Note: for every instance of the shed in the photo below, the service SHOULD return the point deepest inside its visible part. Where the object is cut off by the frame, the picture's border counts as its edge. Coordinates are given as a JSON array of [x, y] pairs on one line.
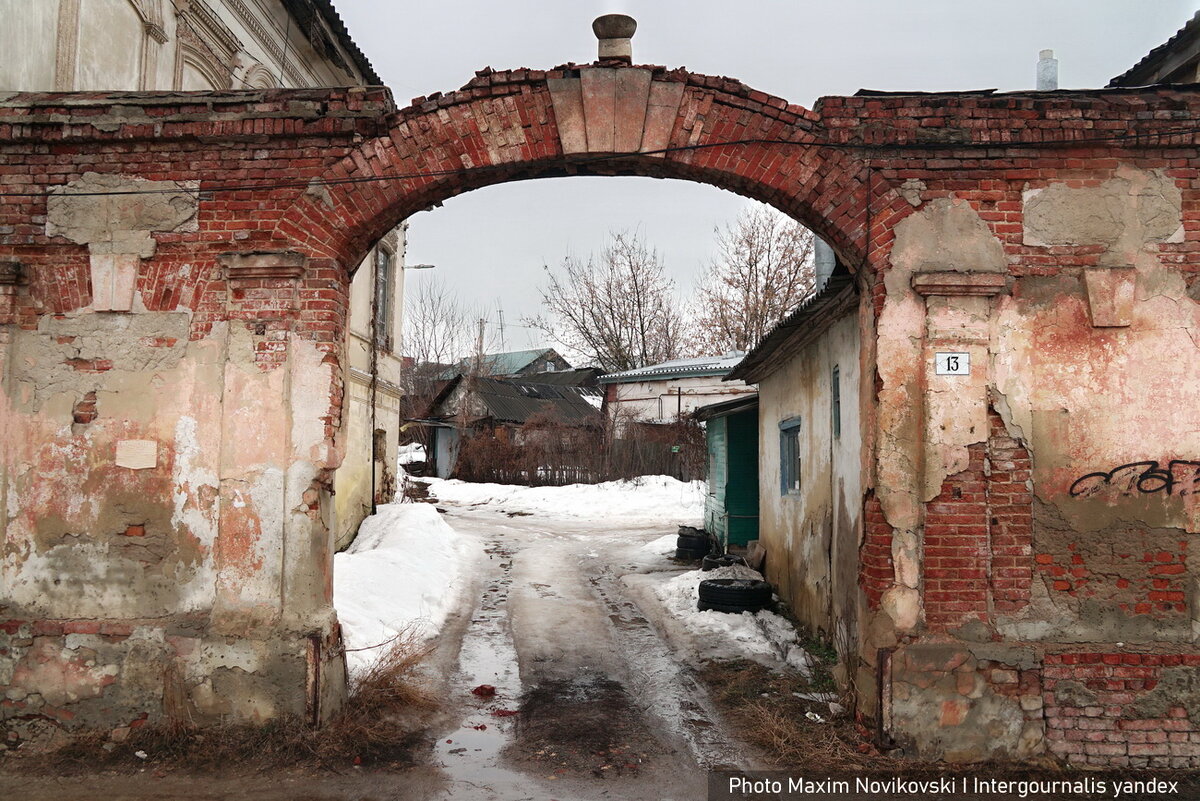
[[731, 506]]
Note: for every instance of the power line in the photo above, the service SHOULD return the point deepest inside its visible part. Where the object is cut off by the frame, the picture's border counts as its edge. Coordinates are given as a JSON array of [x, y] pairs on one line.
[[1145, 140]]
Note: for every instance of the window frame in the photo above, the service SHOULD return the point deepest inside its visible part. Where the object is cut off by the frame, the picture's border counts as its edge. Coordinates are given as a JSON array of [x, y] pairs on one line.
[[791, 474], [835, 401], [383, 304]]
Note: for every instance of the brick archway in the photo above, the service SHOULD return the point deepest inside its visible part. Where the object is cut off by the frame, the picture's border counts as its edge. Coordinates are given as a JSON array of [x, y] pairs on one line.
[[174, 273], [644, 121]]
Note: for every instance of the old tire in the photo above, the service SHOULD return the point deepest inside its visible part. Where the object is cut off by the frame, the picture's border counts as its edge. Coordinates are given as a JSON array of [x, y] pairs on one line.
[[734, 595], [712, 562], [698, 544], [689, 554]]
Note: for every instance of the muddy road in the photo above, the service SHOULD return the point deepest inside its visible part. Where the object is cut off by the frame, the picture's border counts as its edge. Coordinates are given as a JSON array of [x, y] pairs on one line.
[[589, 702]]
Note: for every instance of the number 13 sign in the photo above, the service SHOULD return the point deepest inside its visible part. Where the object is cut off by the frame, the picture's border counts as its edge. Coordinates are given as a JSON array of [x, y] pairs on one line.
[[952, 363]]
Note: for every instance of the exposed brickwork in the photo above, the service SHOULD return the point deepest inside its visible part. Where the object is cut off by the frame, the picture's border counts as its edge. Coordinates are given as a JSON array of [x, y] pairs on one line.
[[1010, 518], [323, 173], [978, 534], [957, 548], [876, 572], [85, 411], [1101, 710], [1136, 580]]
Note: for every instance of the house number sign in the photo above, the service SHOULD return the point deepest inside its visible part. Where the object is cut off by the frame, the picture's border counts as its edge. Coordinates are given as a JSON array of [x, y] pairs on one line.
[[952, 363]]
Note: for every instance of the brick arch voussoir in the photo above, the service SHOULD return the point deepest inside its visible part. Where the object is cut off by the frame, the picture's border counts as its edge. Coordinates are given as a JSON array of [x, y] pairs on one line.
[[528, 124]]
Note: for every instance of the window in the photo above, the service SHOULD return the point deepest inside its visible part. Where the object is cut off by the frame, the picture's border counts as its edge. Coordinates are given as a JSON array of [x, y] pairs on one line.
[[383, 299], [789, 456], [835, 403]]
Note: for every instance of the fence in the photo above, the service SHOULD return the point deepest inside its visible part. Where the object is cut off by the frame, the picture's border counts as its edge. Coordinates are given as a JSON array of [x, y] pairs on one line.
[[544, 452]]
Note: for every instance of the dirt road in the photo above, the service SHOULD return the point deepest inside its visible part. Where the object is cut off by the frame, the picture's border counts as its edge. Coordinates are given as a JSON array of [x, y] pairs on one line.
[[604, 709]]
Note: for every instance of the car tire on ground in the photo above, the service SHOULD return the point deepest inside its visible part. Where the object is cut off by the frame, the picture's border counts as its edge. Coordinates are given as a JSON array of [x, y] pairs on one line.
[[734, 595], [698, 544], [690, 554], [712, 562]]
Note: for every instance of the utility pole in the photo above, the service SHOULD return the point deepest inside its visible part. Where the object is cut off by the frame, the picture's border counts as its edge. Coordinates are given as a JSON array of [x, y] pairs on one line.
[[500, 312], [479, 348]]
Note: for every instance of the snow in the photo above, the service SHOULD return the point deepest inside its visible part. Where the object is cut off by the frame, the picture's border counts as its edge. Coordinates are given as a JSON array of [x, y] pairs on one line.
[[406, 568], [763, 636], [413, 452], [663, 546], [648, 500]]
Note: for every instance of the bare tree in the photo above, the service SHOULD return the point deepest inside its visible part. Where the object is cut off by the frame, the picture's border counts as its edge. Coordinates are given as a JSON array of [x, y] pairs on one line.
[[619, 311], [762, 271], [440, 334], [438, 328]]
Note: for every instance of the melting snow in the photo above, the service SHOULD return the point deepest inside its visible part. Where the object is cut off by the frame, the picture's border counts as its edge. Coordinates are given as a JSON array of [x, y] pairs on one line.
[[650, 500], [407, 567]]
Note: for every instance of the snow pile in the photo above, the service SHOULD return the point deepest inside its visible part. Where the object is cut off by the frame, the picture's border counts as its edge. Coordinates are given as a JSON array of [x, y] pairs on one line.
[[762, 636], [413, 452], [649, 499], [663, 546], [407, 567]]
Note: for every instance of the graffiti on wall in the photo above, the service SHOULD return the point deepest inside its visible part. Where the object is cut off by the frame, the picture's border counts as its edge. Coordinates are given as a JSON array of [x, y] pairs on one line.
[[1180, 477]]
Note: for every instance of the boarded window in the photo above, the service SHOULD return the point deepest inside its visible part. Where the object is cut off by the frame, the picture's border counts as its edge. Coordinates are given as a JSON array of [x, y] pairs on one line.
[[379, 444], [789, 456], [835, 403]]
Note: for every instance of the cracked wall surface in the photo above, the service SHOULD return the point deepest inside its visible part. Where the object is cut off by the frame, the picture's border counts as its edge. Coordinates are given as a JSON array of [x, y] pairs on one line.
[[172, 370], [1047, 499]]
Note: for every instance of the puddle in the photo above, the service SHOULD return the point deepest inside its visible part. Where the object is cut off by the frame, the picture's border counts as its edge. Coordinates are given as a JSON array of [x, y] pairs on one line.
[[470, 756]]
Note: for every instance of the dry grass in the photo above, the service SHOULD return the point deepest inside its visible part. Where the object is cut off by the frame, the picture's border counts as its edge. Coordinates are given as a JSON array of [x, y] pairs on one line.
[[382, 723], [760, 706]]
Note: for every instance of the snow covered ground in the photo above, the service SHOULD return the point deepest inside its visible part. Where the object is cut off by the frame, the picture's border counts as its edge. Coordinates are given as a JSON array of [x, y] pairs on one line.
[[407, 567], [412, 452], [763, 636], [649, 500]]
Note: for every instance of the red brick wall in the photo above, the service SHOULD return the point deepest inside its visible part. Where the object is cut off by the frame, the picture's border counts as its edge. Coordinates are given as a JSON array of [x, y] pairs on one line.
[[876, 572], [1101, 709], [978, 535]]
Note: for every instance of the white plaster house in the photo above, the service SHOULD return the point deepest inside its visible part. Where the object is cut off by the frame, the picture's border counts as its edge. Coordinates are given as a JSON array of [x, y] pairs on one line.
[[670, 391], [810, 456], [205, 45]]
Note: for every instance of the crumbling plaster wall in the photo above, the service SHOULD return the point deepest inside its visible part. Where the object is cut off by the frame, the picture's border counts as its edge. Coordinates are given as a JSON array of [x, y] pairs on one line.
[[166, 547], [1090, 366], [812, 537]]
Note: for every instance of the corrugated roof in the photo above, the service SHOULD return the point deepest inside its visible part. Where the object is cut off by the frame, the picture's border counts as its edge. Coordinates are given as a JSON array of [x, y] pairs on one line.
[[1137, 74], [515, 402], [807, 320], [507, 363], [577, 377], [677, 368]]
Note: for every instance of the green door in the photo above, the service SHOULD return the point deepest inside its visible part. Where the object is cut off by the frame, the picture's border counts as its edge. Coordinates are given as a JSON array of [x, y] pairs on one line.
[[718, 474], [741, 477]]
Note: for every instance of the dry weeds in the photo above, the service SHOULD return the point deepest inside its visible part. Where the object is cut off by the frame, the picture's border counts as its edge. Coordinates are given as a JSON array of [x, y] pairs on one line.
[[387, 712], [761, 707]]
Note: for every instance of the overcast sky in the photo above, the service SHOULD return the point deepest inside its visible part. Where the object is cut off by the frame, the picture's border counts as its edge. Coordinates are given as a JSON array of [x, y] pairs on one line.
[[491, 244]]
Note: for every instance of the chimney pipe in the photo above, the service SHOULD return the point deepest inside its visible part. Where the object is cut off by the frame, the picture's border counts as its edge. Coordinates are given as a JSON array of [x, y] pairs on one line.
[[1047, 71], [615, 32]]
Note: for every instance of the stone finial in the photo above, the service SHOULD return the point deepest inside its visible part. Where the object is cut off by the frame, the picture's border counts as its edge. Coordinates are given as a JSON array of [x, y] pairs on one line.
[[615, 32]]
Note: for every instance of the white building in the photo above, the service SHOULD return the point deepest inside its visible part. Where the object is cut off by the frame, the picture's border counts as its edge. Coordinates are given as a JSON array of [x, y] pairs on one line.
[[205, 45], [668, 392]]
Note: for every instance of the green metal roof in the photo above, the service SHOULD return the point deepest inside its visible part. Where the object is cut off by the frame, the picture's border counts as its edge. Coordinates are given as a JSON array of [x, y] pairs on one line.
[[498, 364]]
